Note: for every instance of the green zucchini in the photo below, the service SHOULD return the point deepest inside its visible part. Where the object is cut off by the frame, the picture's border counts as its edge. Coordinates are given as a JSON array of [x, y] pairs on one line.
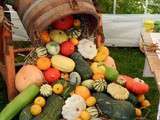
[[52, 110], [19, 102]]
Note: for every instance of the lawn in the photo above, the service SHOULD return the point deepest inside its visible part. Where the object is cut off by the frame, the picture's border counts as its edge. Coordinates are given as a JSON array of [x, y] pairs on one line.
[[129, 61]]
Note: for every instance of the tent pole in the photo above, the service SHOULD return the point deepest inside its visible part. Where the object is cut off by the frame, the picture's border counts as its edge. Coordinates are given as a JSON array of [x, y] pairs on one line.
[[114, 6], [146, 7]]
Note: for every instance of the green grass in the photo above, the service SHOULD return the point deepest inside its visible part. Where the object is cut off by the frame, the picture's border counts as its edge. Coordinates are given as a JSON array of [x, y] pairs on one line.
[[129, 61]]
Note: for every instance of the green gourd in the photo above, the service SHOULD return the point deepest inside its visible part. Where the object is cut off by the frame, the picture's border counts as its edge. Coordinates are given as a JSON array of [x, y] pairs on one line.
[[67, 91], [93, 112], [115, 109], [75, 78], [74, 33], [100, 85], [19, 102], [82, 66], [132, 98], [41, 51], [53, 48], [52, 110], [88, 83]]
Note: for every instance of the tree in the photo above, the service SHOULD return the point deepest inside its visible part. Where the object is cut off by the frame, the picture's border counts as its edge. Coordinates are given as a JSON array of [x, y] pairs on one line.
[[128, 6]]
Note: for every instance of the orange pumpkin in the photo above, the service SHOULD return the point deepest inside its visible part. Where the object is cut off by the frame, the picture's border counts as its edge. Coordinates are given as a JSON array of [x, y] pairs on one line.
[[27, 75], [44, 36], [83, 92], [43, 63], [109, 61]]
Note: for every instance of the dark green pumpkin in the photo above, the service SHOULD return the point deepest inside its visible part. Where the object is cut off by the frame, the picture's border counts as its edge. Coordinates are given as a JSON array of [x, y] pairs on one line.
[[82, 66], [132, 98], [116, 110]]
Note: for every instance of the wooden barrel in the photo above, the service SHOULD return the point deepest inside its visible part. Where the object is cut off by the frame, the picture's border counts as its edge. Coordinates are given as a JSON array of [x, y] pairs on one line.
[[39, 14]]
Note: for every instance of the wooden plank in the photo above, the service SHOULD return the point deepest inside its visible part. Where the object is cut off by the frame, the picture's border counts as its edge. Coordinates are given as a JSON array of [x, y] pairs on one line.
[[157, 77], [10, 73], [152, 57], [2, 70]]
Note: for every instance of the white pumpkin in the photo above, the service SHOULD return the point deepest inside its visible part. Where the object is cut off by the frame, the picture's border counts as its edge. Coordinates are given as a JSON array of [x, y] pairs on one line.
[[74, 105], [87, 49], [27, 75]]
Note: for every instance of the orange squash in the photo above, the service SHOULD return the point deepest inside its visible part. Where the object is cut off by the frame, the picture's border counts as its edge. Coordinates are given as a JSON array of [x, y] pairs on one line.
[[83, 92], [109, 61], [43, 63], [27, 75]]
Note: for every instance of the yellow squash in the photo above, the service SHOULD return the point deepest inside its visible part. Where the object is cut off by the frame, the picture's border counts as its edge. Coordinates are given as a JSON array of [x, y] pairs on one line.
[[63, 63]]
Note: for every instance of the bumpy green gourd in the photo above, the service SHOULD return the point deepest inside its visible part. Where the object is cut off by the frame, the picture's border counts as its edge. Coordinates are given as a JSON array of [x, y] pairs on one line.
[[52, 110], [100, 85], [115, 109], [82, 66]]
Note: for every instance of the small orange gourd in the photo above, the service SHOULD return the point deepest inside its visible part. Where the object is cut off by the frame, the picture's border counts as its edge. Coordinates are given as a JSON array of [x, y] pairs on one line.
[[83, 92], [43, 63], [145, 104], [44, 36], [98, 76]]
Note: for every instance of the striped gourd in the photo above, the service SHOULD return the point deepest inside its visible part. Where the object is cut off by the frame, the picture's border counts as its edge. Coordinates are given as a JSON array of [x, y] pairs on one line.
[[100, 85], [41, 51], [74, 33], [93, 112]]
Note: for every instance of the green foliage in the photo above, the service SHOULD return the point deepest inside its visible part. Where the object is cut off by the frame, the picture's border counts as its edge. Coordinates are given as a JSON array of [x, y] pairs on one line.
[[128, 6]]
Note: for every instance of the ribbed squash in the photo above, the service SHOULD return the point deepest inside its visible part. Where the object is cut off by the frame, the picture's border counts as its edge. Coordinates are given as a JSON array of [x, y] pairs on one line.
[[93, 112], [117, 91], [100, 85], [62, 63]]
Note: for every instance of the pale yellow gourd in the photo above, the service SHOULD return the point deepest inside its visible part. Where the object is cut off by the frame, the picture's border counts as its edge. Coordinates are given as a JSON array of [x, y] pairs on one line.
[[63, 63]]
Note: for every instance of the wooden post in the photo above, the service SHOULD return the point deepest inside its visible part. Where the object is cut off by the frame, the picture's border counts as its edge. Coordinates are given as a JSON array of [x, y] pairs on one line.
[[10, 73]]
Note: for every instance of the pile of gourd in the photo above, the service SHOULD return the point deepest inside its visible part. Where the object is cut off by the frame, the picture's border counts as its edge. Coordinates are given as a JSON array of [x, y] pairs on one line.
[[72, 79], [152, 26]]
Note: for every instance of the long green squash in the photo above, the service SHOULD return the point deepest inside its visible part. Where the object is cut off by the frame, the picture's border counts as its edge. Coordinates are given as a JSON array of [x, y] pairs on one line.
[[19, 102], [52, 110]]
